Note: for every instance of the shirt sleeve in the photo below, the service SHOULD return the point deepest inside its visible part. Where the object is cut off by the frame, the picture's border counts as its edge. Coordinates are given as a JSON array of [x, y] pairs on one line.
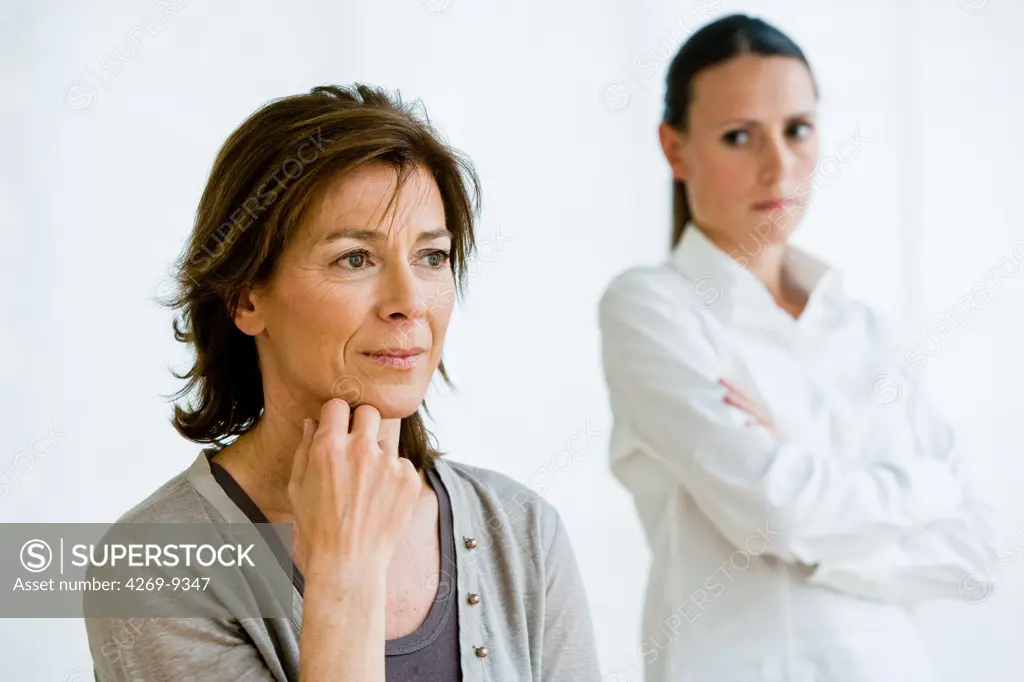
[[569, 653], [948, 558], [173, 649], [662, 374]]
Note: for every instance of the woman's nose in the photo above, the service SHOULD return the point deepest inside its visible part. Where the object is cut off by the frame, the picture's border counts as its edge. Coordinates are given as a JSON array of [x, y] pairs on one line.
[[776, 159], [401, 294]]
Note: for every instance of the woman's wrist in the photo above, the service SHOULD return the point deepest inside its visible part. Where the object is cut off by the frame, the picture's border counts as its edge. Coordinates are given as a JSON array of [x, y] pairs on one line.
[[345, 575]]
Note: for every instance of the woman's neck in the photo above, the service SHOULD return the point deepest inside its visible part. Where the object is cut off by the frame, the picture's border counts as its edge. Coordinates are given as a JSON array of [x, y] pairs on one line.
[[767, 263], [260, 460]]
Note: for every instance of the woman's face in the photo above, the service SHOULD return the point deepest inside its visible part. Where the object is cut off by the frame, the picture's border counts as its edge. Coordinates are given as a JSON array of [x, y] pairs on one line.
[[750, 148], [359, 303]]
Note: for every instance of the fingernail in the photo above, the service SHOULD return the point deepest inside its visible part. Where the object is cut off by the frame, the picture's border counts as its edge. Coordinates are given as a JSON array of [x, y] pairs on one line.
[[305, 427]]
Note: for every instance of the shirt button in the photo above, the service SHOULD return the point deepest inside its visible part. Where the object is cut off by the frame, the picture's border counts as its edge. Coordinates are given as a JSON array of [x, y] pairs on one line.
[[473, 599], [470, 543], [481, 652]]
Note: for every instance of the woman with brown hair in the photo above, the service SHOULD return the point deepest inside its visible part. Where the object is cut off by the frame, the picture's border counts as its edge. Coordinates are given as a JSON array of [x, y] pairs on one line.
[[316, 290]]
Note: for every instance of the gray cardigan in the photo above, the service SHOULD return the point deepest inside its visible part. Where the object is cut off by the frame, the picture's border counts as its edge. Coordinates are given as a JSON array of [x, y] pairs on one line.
[[532, 617]]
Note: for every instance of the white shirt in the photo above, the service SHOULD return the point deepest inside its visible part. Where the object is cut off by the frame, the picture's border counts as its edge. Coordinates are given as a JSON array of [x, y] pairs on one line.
[[796, 559]]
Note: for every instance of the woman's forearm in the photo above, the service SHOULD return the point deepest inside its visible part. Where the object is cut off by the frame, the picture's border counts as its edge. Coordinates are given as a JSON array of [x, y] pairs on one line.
[[352, 501], [342, 635]]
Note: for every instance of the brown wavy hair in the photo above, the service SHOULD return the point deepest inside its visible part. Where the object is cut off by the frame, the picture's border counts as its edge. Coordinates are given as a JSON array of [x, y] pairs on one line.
[[268, 173]]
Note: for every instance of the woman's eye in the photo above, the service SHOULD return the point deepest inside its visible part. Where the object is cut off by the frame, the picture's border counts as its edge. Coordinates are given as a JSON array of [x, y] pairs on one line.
[[736, 137], [354, 261], [800, 131], [437, 259]]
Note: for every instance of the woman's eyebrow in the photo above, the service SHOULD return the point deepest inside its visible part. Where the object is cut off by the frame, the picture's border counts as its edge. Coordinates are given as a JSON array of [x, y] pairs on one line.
[[433, 234], [359, 234], [757, 122], [364, 235], [738, 121]]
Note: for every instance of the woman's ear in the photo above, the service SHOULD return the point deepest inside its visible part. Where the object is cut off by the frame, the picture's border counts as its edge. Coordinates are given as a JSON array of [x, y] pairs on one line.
[[673, 142], [247, 314]]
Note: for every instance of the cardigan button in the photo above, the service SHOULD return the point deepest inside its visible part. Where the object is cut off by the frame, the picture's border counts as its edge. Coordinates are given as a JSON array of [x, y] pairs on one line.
[[481, 652], [473, 599], [470, 543]]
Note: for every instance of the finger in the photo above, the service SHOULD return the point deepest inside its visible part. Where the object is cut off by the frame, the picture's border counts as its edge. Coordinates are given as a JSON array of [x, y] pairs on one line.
[[389, 435], [729, 385], [301, 460], [735, 389], [747, 403], [741, 401], [334, 417], [762, 422], [406, 469], [366, 421], [755, 409]]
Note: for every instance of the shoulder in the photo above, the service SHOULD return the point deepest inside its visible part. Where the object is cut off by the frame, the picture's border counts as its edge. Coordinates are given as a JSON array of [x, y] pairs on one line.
[[176, 501], [647, 293], [653, 314], [506, 505], [657, 282], [496, 489]]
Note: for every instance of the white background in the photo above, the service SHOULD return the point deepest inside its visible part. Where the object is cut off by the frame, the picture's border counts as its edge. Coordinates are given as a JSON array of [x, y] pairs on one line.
[[557, 104]]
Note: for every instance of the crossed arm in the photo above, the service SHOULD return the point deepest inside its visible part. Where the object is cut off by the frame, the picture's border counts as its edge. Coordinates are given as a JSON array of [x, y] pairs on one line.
[[900, 526]]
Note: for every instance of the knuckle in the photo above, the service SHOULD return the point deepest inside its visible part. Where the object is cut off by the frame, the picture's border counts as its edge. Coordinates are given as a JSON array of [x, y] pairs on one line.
[[406, 472], [330, 445], [336, 440], [363, 444]]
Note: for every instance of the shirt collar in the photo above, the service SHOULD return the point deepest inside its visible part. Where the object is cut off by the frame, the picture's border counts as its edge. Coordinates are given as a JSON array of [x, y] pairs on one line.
[[721, 284]]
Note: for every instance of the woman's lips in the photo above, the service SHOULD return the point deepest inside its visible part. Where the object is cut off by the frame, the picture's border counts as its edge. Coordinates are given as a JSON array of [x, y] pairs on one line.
[[396, 360], [771, 205]]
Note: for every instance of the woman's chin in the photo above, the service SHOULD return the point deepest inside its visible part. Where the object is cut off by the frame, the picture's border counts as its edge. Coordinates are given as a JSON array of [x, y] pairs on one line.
[[393, 402], [776, 227]]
